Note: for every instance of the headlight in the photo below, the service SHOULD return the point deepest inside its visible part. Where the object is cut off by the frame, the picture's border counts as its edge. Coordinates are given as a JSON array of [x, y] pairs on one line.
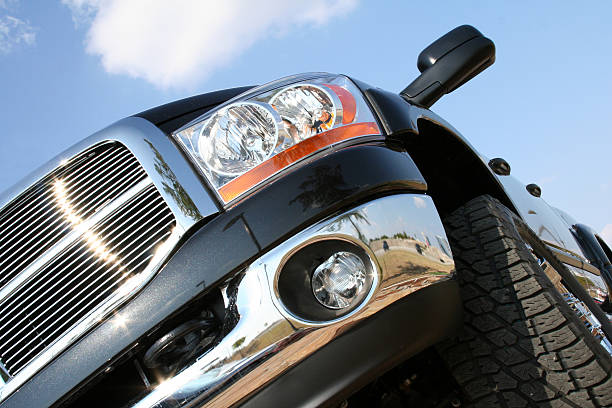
[[254, 136]]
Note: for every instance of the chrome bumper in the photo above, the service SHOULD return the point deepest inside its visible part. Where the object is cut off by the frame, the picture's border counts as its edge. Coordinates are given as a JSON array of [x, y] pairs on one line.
[[406, 244]]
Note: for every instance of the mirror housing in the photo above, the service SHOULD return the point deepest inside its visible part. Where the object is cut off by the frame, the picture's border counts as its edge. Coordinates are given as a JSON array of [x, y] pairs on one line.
[[448, 63]]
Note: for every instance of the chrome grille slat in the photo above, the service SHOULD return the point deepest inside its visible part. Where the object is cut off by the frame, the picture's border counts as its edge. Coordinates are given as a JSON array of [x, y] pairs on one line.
[[29, 209], [101, 190], [104, 176], [74, 234], [25, 201], [17, 208], [34, 220], [96, 179], [28, 297], [49, 272], [71, 310], [49, 234], [31, 225], [31, 222], [75, 296], [58, 270], [67, 284], [99, 199], [81, 176], [150, 207], [83, 231], [44, 184]]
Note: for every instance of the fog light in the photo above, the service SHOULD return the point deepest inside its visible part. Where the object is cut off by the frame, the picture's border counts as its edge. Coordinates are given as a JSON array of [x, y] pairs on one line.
[[341, 281]]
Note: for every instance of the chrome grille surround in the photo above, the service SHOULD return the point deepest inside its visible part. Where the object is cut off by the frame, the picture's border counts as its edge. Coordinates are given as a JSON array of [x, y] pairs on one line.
[[83, 235]]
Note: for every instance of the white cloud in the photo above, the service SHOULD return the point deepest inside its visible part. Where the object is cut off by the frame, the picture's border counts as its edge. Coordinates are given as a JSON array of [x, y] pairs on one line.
[[606, 234], [14, 32], [419, 202], [174, 43]]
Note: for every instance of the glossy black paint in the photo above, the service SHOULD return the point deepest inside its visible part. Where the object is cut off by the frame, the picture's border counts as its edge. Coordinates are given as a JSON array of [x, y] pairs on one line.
[[392, 111], [395, 333], [445, 44], [173, 115], [329, 183], [223, 245], [593, 250]]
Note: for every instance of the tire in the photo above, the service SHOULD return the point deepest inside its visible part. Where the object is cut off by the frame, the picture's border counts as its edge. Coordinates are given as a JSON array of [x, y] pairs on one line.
[[521, 345]]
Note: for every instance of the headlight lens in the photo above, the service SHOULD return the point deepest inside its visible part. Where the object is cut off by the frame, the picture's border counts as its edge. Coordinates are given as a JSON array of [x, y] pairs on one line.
[[258, 134], [305, 109], [238, 137]]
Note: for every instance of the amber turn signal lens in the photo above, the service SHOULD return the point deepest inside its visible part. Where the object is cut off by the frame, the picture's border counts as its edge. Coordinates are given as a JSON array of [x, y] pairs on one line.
[[349, 106]]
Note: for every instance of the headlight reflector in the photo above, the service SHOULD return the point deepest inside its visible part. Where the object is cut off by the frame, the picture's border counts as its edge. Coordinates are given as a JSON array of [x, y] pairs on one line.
[[305, 109], [238, 137]]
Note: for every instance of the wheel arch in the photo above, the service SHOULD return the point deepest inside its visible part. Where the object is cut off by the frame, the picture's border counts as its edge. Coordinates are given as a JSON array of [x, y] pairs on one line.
[[454, 171]]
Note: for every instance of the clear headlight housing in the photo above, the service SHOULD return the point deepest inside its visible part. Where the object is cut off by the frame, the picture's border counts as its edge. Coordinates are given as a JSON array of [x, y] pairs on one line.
[[244, 142]]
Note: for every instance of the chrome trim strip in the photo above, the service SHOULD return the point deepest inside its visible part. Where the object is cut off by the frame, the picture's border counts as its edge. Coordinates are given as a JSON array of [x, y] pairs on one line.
[[590, 321], [568, 257], [268, 339], [34, 267]]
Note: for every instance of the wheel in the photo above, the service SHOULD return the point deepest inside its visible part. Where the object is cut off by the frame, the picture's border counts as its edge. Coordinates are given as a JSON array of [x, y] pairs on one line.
[[521, 344]]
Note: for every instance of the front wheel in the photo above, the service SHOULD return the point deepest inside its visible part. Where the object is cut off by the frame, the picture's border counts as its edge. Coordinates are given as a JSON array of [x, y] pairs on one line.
[[521, 345]]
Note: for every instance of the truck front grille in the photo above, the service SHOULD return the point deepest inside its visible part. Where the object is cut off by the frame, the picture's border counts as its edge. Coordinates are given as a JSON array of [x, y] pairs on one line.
[[36, 221], [73, 246]]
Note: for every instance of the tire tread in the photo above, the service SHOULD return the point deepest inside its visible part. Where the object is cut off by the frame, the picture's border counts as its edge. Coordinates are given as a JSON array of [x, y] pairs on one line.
[[521, 345]]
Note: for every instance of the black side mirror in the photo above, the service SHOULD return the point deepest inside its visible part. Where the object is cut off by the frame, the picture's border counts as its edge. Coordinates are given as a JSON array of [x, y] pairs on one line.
[[448, 63]]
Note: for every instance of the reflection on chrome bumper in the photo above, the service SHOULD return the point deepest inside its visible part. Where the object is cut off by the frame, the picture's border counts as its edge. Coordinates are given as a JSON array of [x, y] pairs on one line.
[[405, 241]]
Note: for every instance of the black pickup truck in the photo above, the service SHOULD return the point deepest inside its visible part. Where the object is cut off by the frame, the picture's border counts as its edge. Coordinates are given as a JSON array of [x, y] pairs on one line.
[[311, 241]]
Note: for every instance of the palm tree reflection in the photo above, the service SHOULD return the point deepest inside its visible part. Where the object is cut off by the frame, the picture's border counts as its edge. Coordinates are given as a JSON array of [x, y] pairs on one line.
[[172, 186], [326, 186], [355, 218]]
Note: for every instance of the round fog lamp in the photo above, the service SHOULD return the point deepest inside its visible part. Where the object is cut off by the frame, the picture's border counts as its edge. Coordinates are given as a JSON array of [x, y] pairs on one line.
[[341, 281]]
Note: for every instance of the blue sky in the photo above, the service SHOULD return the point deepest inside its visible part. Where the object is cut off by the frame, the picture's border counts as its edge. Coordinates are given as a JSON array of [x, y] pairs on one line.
[[71, 67]]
